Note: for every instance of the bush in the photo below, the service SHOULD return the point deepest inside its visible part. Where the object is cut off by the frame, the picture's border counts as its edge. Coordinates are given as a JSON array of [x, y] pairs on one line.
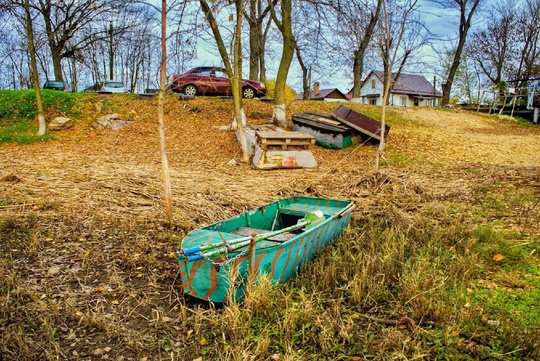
[[271, 86]]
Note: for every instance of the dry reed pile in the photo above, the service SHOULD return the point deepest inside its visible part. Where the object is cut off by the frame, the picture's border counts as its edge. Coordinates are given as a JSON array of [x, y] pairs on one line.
[[87, 252]]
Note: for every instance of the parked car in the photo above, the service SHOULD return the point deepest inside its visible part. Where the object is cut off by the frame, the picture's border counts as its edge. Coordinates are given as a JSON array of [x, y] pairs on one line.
[[93, 88], [112, 86], [208, 80], [56, 85]]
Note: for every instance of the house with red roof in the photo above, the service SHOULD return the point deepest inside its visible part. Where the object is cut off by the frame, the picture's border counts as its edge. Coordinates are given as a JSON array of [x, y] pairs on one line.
[[408, 90], [328, 95]]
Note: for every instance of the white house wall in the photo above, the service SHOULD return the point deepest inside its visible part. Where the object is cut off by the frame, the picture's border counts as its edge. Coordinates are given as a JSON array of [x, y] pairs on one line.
[[397, 100], [369, 89]]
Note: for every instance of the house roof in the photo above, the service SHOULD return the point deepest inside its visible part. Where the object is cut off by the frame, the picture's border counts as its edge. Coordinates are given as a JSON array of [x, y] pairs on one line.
[[416, 85], [323, 93]]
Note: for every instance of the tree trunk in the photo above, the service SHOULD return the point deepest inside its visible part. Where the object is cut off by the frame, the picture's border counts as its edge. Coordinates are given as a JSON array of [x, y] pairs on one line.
[[236, 84], [358, 66], [255, 45], [464, 26], [262, 62], [55, 48], [33, 63], [306, 74], [111, 52], [279, 116], [234, 72], [161, 116], [382, 142]]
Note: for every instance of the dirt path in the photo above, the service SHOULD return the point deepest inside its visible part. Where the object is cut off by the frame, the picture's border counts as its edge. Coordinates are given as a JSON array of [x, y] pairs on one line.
[[463, 137]]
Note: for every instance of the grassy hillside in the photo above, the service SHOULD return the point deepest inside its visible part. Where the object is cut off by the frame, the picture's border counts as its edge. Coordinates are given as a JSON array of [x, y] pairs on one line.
[[440, 261]]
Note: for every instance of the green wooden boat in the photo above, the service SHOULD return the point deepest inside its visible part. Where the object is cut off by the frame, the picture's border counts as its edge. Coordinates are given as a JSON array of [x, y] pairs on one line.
[[277, 239]]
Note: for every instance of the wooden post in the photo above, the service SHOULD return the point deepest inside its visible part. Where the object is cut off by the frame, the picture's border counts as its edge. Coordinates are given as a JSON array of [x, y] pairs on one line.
[[251, 257]]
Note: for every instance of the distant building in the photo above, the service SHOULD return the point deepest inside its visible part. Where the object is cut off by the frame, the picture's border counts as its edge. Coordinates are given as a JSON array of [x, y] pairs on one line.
[[409, 90], [324, 94]]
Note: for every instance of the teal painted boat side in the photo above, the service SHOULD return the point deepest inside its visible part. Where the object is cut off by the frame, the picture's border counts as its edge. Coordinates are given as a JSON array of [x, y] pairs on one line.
[[221, 277]]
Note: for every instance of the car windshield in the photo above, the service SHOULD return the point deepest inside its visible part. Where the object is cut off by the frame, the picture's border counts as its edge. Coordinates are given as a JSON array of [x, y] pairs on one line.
[[113, 84]]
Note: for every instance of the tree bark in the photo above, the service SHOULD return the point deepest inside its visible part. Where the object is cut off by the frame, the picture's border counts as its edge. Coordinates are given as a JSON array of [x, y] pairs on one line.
[[236, 84], [285, 26], [306, 74], [161, 117], [233, 71], [358, 65], [33, 63], [464, 26], [257, 36]]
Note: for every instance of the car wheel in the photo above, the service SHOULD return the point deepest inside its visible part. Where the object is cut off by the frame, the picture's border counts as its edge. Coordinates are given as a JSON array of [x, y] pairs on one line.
[[248, 92], [190, 90]]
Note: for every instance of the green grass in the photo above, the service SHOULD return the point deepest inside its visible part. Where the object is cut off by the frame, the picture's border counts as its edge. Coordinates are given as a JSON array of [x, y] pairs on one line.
[[18, 112], [22, 133], [21, 104], [516, 121]]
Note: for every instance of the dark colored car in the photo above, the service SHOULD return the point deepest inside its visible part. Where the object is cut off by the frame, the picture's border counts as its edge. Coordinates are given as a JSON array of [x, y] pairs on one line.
[[56, 85], [92, 88], [209, 80]]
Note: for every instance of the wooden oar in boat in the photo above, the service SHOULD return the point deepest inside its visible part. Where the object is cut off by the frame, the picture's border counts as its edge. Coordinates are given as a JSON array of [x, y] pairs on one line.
[[197, 253]]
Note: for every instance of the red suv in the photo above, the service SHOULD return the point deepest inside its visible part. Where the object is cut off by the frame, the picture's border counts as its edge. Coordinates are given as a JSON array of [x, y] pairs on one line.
[[209, 80]]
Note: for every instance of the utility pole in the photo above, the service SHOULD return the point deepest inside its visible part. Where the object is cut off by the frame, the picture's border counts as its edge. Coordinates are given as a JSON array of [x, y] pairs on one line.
[[434, 89]]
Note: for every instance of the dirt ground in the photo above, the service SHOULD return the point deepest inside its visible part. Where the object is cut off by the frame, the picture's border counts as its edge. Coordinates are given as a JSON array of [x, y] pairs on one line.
[[92, 189], [120, 171]]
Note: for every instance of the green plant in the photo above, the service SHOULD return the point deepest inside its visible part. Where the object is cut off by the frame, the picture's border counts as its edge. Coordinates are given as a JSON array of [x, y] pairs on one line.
[[21, 132]]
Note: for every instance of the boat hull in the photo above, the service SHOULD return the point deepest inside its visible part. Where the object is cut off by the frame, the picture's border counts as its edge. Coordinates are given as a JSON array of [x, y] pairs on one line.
[[222, 277]]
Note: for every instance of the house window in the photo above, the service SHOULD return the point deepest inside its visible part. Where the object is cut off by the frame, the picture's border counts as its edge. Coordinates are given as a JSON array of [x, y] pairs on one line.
[[372, 83]]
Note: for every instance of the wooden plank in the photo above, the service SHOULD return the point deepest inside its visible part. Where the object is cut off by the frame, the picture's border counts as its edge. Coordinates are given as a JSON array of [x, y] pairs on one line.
[[284, 139], [321, 119], [283, 135], [335, 126], [360, 122]]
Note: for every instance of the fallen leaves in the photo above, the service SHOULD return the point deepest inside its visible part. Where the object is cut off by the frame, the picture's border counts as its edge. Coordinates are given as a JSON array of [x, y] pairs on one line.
[[498, 257]]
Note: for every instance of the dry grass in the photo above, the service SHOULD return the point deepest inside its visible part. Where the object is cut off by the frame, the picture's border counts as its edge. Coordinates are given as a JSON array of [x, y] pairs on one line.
[[87, 268]]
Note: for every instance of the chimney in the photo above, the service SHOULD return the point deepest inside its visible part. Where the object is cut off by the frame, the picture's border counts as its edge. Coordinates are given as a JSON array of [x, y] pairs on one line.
[[316, 88]]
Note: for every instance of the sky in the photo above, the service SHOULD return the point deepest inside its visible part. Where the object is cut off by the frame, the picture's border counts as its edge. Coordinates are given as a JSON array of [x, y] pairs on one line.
[[442, 23]]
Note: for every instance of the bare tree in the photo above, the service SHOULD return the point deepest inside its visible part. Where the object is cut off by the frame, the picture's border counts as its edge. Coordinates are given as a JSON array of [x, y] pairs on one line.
[[493, 48], [64, 21], [232, 65], [161, 115], [529, 41], [34, 70], [315, 40], [285, 27], [469, 80], [358, 19], [256, 14], [467, 9], [397, 20]]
